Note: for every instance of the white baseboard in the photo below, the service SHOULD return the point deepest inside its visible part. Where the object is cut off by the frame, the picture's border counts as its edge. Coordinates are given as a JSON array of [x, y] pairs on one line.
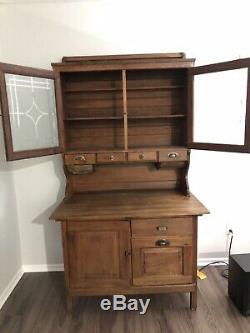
[[59, 267], [43, 268], [206, 261], [10, 287]]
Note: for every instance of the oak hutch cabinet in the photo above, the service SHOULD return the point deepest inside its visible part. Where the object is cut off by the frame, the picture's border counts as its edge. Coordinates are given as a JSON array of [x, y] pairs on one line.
[[125, 126]]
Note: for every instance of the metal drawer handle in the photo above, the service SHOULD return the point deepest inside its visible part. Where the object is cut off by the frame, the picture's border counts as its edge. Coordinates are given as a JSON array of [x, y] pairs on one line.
[[111, 157], [162, 228], [80, 158], [173, 155], [162, 242], [141, 156]]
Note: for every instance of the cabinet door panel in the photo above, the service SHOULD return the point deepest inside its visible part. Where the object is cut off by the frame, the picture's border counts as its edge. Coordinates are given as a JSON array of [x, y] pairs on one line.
[[219, 106], [161, 265], [99, 254], [28, 105], [163, 261]]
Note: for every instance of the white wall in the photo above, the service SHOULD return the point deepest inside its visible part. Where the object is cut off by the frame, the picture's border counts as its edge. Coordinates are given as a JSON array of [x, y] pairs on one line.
[[10, 249], [42, 32]]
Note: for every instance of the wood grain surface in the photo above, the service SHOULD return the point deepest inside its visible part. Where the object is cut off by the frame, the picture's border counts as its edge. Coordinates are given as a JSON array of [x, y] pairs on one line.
[[127, 204]]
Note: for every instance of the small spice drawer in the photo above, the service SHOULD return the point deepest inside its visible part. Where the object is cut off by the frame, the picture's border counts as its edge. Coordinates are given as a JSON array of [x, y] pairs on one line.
[[88, 158], [111, 157], [175, 226], [142, 156], [172, 154]]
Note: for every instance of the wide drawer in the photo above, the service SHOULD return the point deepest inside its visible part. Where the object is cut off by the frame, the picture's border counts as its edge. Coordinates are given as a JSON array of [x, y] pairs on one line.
[[142, 156], [172, 154], [88, 158], [169, 226], [111, 157], [161, 242]]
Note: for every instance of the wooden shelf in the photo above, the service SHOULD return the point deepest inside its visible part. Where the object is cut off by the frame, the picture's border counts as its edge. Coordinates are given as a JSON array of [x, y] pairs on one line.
[[73, 90], [115, 149], [129, 118], [86, 90], [93, 118], [156, 87], [180, 115]]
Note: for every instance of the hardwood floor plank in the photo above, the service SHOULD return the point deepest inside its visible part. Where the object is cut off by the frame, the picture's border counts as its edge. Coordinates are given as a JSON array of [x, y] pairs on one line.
[[37, 305]]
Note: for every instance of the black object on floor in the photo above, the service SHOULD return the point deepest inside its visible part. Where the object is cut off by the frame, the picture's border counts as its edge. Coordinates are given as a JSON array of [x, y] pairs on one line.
[[239, 281]]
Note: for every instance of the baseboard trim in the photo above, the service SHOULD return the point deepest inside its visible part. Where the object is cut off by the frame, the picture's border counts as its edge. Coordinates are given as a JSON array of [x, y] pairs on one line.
[[206, 261], [10, 287], [43, 268]]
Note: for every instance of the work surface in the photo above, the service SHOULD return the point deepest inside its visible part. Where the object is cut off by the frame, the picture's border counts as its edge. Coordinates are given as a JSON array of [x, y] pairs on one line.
[[127, 205]]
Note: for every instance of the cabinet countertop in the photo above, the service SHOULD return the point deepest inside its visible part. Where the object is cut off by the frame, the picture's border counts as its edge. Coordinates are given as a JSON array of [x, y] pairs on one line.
[[127, 205]]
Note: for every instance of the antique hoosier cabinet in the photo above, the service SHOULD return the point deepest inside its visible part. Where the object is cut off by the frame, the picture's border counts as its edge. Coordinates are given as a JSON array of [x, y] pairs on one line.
[[124, 125]]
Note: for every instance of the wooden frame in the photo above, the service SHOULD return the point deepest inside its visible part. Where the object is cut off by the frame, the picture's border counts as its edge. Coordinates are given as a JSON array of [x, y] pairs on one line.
[[213, 68], [26, 71]]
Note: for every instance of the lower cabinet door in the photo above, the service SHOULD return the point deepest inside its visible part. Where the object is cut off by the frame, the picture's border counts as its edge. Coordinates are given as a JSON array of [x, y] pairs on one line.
[[99, 254], [162, 261]]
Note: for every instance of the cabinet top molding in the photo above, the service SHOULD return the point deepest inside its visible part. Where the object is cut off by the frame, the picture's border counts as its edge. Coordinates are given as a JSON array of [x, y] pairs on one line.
[[126, 57], [118, 62]]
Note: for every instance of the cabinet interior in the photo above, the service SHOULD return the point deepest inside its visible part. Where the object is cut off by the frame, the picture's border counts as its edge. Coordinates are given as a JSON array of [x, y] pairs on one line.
[[129, 109]]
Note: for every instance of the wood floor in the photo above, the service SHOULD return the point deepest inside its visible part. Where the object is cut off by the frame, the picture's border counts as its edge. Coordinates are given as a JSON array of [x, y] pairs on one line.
[[37, 305]]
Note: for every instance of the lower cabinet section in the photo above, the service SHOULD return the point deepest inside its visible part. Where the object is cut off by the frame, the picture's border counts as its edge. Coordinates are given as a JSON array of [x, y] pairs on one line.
[[107, 257], [162, 261], [99, 254]]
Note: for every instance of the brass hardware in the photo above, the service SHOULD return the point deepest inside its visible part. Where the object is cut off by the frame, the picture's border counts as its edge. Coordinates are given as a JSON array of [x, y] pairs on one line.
[[111, 157], [141, 156], [173, 155], [127, 253], [80, 169], [162, 242], [162, 228], [80, 158]]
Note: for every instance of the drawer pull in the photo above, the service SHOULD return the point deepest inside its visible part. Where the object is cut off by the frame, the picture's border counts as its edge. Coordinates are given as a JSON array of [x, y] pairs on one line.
[[80, 158], [162, 242], [111, 157], [173, 155], [162, 228], [141, 156], [127, 253]]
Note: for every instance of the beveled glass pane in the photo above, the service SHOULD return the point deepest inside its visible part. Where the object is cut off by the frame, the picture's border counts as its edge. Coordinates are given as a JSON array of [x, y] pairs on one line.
[[220, 107], [32, 111]]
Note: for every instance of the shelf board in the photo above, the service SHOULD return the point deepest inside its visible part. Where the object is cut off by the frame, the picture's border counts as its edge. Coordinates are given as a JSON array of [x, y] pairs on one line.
[[86, 90], [156, 87], [115, 149], [180, 115], [70, 90], [93, 118], [129, 118]]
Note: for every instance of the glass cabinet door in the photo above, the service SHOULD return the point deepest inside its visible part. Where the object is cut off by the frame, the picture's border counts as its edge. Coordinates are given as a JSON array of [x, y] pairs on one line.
[[28, 104], [219, 106]]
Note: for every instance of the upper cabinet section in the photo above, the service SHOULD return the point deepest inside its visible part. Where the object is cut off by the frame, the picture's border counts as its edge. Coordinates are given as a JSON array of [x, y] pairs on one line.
[[150, 105], [29, 114], [219, 106], [124, 103]]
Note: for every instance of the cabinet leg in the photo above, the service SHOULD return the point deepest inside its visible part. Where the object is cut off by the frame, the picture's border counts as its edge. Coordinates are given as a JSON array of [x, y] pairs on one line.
[[193, 300], [69, 302]]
